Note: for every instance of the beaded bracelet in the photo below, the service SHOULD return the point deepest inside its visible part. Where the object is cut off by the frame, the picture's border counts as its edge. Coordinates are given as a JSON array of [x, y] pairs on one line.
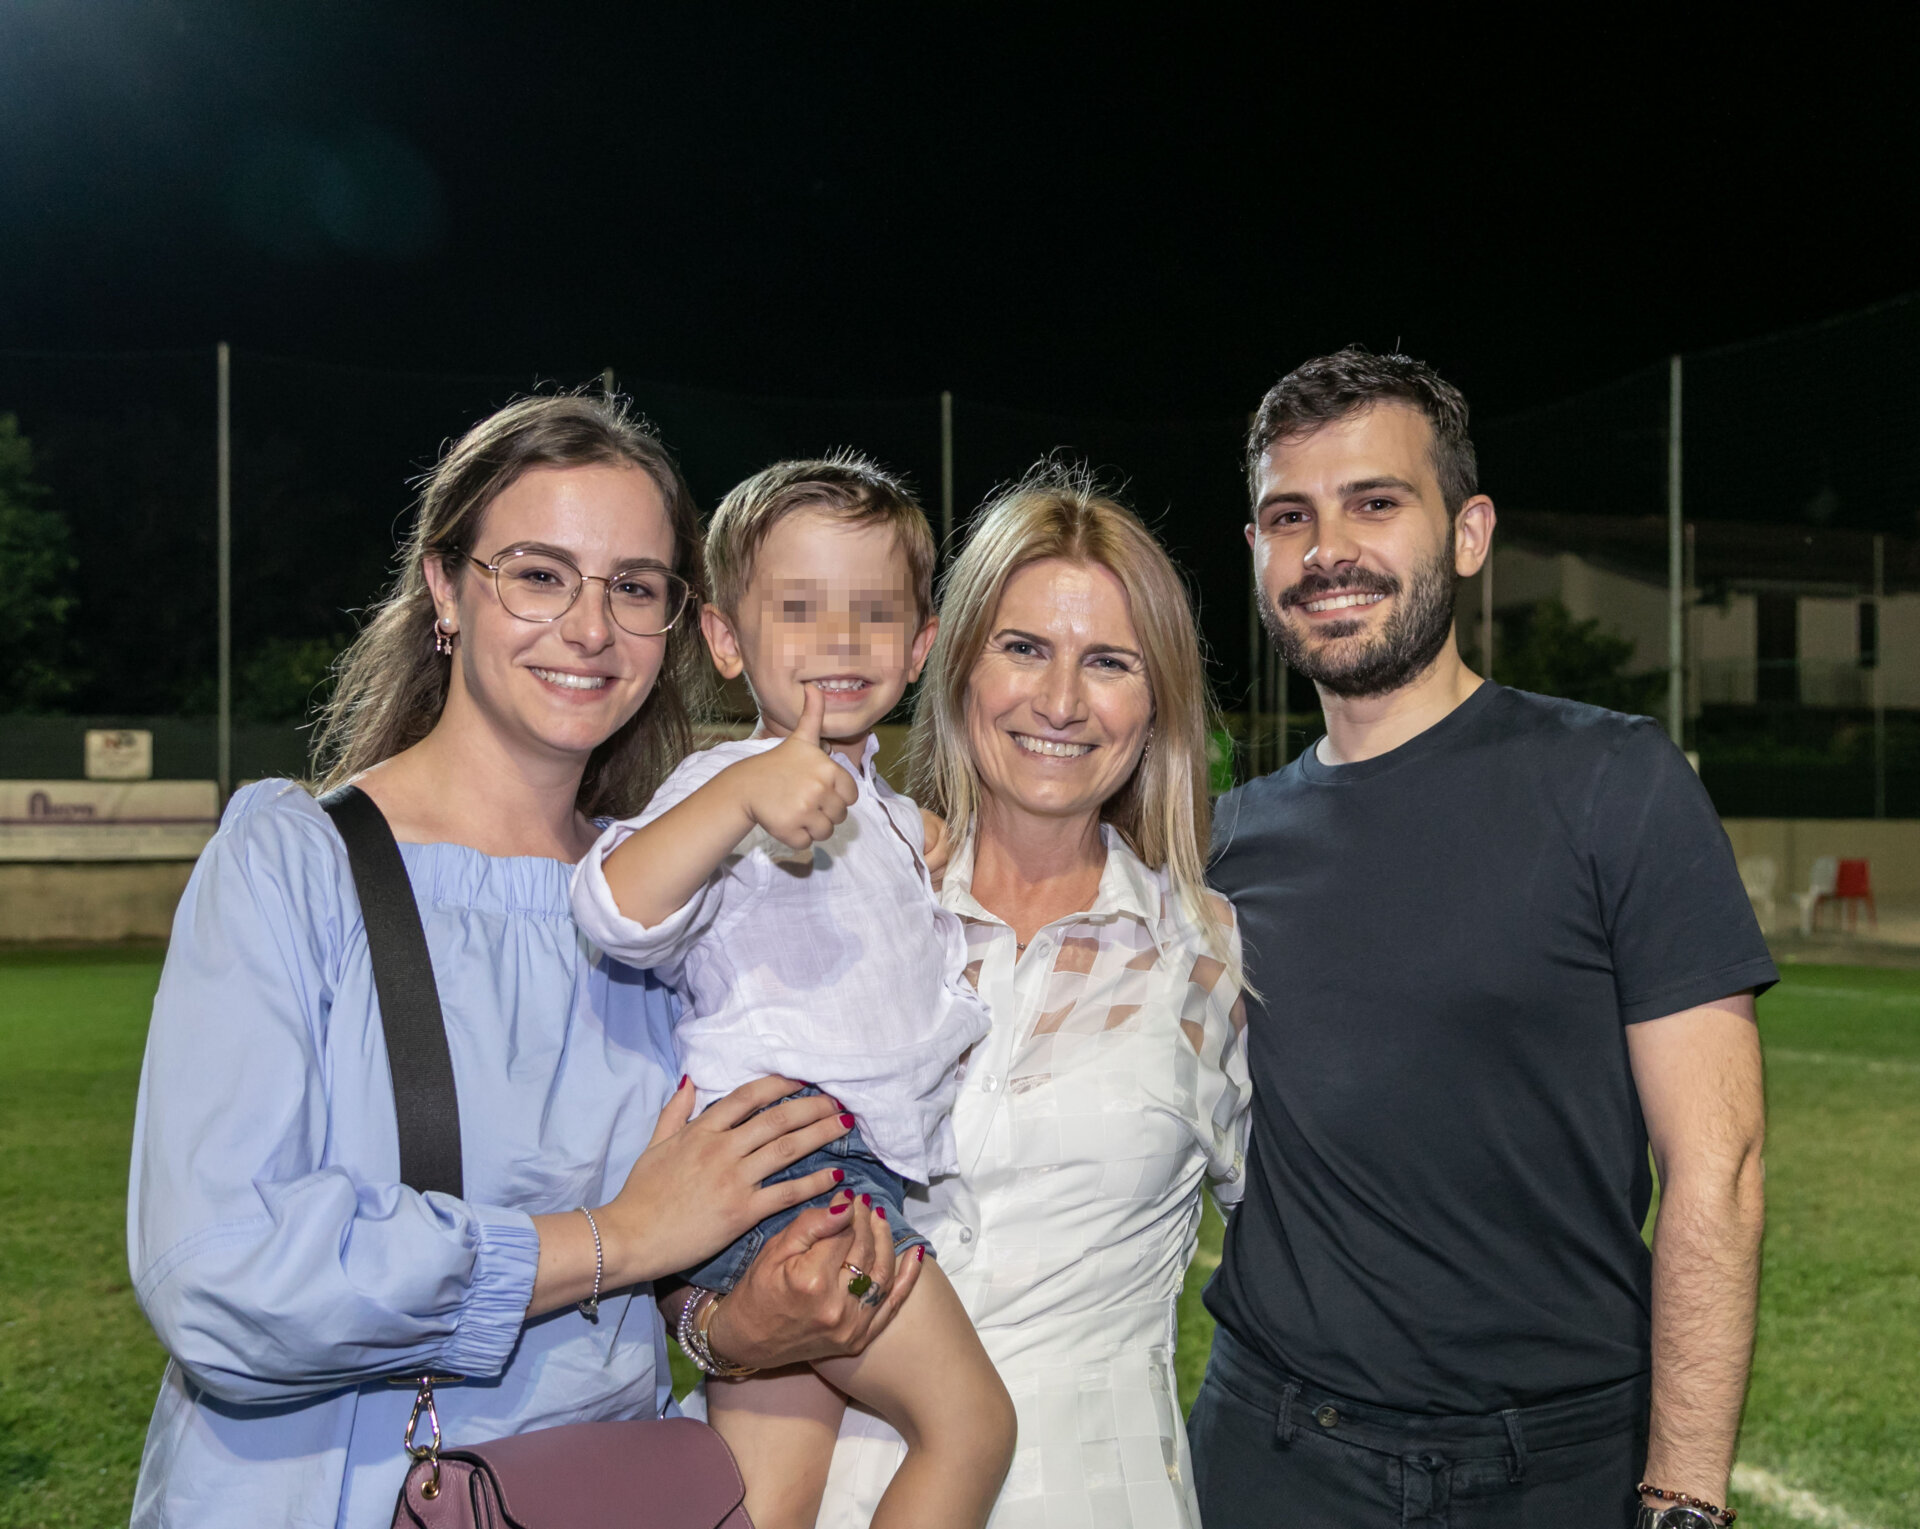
[[696, 1318], [590, 1307], [1721, 1516]]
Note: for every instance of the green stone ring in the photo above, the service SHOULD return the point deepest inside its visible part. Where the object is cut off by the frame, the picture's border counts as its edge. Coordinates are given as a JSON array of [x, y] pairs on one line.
[[861, 1282]]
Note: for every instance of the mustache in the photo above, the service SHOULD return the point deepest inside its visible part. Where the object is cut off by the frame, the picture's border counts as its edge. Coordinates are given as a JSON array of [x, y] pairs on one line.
[[1355, 581]]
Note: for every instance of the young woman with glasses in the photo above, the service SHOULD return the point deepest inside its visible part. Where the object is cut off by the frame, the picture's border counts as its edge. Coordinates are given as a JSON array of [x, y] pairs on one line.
[[527, 676]]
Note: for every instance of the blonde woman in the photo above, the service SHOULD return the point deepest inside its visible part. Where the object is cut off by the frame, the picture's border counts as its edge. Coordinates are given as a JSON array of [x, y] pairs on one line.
[[1062, 731]]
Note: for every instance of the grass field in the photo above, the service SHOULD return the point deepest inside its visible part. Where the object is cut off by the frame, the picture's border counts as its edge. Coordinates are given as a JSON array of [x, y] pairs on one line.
[[1834, 1410]]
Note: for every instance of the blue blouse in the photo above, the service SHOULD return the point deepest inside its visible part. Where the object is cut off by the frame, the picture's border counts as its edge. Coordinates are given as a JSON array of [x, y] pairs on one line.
[[283, 1266]]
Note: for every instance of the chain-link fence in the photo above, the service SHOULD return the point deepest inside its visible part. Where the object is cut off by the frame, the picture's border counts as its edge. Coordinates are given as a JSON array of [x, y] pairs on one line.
[[1799, 699], [1800, 569]]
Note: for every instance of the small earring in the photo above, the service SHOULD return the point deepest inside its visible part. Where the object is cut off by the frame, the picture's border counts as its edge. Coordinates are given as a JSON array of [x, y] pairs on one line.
[[443, 634]]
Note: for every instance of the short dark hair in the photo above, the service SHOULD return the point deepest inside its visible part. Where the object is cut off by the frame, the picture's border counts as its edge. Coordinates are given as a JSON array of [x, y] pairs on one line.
[[1334, 387]]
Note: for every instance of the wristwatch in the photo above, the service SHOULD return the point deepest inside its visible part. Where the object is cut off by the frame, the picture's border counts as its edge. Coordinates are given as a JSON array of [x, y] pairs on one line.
[[1677, 1517]]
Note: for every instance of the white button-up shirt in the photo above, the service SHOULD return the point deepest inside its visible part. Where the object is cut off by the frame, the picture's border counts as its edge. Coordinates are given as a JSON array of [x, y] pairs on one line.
[[1112, 1086], [840, 969]]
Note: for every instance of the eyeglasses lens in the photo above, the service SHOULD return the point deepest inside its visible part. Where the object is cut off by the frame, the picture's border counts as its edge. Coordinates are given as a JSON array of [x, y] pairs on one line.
[[645, 601], [538, 587]]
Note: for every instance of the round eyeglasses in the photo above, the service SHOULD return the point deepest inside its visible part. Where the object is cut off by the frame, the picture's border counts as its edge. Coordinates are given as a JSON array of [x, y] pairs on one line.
[[644, 600]]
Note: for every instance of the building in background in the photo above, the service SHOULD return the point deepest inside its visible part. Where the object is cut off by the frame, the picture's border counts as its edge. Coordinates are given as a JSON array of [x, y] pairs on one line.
[[1778, 615]]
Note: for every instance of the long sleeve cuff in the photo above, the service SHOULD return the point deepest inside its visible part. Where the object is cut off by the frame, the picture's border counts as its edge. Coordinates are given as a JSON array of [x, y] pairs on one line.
[[1229, 1185], [496, 1306], [602, 922]]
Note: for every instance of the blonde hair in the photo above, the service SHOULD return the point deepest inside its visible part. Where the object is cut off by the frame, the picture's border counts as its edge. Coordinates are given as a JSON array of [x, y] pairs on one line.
[[1163, 812], [393, 685], [846, 485]]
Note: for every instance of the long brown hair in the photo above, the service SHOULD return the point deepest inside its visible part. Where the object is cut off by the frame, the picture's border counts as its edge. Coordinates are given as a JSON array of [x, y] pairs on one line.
[[1163, 812], [392, 685]]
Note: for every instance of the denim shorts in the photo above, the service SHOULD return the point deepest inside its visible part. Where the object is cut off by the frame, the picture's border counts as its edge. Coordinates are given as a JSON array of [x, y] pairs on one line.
[[865, 1175]]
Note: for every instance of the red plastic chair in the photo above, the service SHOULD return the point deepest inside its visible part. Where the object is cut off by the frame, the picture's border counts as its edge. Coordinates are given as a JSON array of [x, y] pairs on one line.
[[1852, 886]]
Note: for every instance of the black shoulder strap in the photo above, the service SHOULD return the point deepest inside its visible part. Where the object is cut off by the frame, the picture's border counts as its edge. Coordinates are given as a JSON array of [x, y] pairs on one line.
[[424, 1100]]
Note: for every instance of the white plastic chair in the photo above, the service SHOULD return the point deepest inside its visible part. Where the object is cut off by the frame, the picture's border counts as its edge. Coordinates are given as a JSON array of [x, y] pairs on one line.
[[1760, 875], [1826, 876]]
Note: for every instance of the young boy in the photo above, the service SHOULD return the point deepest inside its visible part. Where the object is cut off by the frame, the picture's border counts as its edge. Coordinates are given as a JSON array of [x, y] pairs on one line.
[[781, 886]]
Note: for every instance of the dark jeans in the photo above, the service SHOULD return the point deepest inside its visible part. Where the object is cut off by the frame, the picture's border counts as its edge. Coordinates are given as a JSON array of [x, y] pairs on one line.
[[1274, 1451]]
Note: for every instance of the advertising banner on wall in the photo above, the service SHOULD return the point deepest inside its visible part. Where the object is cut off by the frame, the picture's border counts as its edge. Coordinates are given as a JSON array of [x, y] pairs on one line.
[[107, 820]]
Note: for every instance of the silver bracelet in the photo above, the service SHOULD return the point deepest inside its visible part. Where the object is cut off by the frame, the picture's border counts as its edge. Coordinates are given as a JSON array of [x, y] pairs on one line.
[[692, 1333], [590, 1307]]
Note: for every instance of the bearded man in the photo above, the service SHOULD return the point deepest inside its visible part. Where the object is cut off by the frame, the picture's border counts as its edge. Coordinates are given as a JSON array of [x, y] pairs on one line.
[[1502, 947]]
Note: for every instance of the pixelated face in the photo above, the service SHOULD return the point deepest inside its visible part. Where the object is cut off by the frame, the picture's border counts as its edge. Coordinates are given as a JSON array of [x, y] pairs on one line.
[[563, 686], [830, 604], [1355, 551], [1058, 702]]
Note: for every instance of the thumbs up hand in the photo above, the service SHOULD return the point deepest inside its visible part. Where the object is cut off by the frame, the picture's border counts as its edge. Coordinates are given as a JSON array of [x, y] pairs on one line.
[[796, 792]]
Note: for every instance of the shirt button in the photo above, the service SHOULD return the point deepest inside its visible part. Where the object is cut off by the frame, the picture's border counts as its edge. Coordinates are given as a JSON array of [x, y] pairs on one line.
[[966, 1234], [1327, 1417], [987, 1081]]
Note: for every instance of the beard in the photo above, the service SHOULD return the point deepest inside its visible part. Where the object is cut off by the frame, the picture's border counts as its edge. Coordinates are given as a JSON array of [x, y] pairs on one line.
[[1406, 647]]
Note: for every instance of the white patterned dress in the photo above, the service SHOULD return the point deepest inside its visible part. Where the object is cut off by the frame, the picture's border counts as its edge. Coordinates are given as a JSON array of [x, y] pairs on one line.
[[1112, 1085]]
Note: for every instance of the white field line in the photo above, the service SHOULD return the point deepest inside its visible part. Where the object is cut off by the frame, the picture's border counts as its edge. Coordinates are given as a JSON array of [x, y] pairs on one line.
[[1855, 994], [1764, 1487], [1842, 1059]]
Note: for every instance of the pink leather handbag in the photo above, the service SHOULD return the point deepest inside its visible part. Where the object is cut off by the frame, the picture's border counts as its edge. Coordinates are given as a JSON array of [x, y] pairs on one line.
[[653, 1473], [673, 1472]]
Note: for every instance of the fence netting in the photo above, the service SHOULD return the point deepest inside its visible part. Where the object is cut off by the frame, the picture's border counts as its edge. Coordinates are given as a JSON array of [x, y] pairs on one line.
[[1797, 449]]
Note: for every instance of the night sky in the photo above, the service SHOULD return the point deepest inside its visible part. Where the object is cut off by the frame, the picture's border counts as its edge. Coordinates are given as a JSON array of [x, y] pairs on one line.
[[789, 228], [1042, 206]]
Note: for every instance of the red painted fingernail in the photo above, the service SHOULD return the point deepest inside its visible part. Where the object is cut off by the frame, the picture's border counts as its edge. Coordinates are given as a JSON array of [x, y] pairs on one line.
[[880, 1211], [847, 1121], [866, 1199], [681, 1084], [838, 1210], [921, 1253], [839, 1175]]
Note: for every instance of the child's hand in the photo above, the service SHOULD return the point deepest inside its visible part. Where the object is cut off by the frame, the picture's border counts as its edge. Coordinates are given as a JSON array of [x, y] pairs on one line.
[[796, 792], [939, 846]]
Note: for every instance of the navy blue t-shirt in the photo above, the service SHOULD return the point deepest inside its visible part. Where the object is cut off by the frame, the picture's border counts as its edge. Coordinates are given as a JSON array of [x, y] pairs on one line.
[[1448, 1172]]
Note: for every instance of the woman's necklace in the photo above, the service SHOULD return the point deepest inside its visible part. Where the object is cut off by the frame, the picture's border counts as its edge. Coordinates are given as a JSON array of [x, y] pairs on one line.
[[1020, 946]]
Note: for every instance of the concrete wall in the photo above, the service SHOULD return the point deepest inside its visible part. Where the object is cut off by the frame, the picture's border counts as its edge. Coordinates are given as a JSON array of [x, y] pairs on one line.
[[1899, 648], [113, 900], [43, 901], [1892, 845], [93, 900]]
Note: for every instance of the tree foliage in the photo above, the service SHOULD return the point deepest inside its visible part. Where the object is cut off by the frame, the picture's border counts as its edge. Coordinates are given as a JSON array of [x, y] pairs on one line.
[[1545, 650], [286, 679], [36, 582]]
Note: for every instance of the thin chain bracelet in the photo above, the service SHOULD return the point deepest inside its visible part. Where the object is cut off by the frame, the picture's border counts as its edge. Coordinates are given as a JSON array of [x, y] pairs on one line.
[[590, 1307], [1720, 1515]]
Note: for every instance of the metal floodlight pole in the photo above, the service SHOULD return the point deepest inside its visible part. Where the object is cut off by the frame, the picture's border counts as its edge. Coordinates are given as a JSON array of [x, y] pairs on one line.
[[946, 473], [1486, 616], [1254, 665], [1280, 707], [223, 499], [1690, 576], [1676, 569], [1879, 675]]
